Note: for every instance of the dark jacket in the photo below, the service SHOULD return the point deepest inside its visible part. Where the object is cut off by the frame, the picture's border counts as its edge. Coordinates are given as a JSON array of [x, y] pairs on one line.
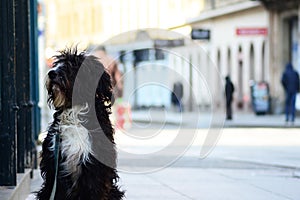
[[290, 79], [229, 89]]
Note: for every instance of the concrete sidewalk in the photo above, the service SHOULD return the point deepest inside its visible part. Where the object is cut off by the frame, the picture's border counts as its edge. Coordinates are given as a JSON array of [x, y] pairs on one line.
[[246, 164], [272, 153], [206, 119]]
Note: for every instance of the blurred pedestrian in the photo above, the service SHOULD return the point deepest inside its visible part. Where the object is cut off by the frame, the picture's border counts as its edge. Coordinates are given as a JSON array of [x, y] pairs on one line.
[[229, 89], [177, 95], [290, 82]]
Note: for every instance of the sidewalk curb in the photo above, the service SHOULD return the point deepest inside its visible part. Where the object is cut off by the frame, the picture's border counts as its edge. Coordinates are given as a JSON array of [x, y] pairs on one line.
[[258, 126], [243, 121], [157, 121], [21, 190], [233, 125], [265, 164]]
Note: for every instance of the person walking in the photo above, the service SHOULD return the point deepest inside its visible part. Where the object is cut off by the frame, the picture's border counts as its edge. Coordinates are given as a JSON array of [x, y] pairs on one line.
[[229, 89], [177, 95], [290, 82]]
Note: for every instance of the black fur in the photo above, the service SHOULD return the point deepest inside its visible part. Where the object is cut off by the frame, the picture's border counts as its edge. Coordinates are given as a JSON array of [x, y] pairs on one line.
[[98, 179]]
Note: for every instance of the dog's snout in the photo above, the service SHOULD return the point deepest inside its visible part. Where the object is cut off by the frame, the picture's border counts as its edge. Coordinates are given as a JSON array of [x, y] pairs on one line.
[[52, 74]]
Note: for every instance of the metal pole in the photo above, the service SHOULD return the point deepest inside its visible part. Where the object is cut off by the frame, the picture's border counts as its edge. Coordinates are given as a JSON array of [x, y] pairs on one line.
[[8, 119]]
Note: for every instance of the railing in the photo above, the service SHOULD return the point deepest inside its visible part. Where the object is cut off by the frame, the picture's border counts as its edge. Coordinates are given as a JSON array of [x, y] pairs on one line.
[[19, 117]]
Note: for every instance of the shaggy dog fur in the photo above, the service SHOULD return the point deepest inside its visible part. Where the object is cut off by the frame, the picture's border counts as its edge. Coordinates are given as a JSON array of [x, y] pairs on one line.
[[87, 156]]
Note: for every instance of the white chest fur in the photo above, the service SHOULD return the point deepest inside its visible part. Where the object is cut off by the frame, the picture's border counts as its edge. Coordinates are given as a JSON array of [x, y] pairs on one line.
[[75, 143]]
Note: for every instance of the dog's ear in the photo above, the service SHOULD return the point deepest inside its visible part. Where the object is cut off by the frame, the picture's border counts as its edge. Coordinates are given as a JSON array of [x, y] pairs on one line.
[[104, 90], [93, 84]]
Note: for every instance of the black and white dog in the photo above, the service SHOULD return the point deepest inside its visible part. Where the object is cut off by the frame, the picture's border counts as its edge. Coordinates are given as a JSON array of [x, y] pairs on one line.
[[78, 155]]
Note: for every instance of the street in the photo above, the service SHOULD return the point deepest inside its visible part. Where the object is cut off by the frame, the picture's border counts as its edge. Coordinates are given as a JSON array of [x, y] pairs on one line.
[[247, 163], [203, 97]]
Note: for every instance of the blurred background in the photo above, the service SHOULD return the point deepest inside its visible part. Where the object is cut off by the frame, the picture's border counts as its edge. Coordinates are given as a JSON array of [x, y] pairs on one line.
[[153, 50], [251, 41]]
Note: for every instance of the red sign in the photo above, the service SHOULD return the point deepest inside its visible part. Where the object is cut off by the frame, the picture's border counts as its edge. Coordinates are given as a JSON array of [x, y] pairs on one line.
[[251, 31]]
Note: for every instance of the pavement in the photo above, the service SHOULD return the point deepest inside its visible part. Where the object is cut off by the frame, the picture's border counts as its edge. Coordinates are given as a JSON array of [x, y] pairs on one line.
[[246, 163], [205, 119], [254, 157]]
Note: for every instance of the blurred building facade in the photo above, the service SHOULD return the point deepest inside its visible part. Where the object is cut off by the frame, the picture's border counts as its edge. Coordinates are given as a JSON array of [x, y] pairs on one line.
[[70, 22], [251, 41], [149, 72], [283, 40], [237, 45]]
